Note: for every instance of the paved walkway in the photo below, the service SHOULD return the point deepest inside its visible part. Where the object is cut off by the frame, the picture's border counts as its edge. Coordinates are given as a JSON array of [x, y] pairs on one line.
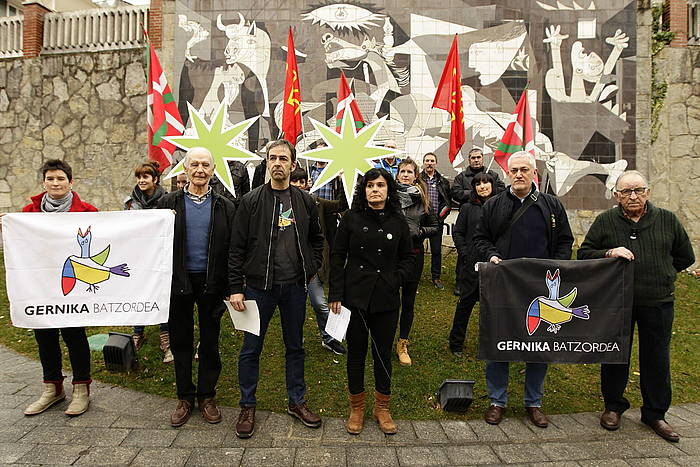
[[125, 427]]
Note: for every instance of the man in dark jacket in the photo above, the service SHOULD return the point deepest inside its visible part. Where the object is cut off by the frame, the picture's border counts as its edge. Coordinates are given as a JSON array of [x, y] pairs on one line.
[[277, 248], [521, 222], [203, 224], [439, 196], [655, 240], [462, 185]]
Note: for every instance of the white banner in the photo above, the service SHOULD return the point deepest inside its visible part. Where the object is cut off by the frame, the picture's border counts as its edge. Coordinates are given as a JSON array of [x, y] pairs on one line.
[[88, 268]]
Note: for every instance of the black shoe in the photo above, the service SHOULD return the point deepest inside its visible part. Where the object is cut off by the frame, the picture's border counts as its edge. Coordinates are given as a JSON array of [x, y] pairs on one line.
[[457, 292], [457, 353], [335, 347], [438, 284]]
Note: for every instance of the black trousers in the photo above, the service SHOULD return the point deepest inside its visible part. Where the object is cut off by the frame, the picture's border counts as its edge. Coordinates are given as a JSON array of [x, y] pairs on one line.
[[436, 253], [463, 312], [378, 330], [210, 308], [51, 357], [408, 296], [654, 326]]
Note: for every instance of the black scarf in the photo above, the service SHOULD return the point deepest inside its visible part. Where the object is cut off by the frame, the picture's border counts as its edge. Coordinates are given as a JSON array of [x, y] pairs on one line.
[[140, 200]]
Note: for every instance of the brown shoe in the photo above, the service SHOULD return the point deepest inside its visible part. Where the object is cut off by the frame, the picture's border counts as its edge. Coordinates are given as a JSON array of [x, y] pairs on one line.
[[303, 413], [245, 426], [537, 417], [494, 415], [182, 413], [664, 430], [610, 420], [210, 412]]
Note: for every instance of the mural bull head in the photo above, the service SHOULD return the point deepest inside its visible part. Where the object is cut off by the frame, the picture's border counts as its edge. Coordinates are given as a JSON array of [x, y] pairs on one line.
[[250, 46]]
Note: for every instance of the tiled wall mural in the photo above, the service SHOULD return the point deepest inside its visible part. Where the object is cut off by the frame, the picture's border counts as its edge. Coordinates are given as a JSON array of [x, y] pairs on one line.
[[575, 56]]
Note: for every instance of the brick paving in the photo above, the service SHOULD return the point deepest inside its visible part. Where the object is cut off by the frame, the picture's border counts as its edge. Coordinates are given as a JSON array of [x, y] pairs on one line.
[[125, 427]]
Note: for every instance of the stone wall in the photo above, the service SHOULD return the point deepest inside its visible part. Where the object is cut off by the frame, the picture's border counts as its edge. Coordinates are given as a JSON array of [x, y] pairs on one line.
[[89, 109], [674, 173]]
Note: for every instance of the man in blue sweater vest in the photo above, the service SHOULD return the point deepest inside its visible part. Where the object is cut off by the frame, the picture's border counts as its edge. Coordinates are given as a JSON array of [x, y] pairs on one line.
[[655, 240], [203, 225], [521, 222]]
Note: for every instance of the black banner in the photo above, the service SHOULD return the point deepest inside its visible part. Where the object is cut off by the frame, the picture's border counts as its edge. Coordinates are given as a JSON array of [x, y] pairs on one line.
[[554, 311]]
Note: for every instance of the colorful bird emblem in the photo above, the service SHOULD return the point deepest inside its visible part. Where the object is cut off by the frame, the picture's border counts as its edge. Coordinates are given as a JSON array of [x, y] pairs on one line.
[[88, 269], [553, 310]]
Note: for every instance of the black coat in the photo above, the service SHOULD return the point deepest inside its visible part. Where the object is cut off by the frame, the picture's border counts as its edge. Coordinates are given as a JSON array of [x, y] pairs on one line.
[[251, 255], [421, 225], [462, 233], [223, 212], [371, 258], [462, 186], [443, 187], [492, 236]]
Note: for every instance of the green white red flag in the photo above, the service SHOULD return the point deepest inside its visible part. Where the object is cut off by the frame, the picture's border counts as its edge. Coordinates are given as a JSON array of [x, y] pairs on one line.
[[519, 134], [449, 97], [162, 113], [291, 112], [346, 101]]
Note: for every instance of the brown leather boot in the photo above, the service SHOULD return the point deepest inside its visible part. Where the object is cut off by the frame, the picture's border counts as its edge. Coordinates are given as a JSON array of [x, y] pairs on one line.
[[381, 413], [356, 420]]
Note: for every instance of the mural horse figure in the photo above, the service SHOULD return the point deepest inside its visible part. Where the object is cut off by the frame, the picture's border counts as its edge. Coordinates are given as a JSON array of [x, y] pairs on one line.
[[553, 310], [88, 269]]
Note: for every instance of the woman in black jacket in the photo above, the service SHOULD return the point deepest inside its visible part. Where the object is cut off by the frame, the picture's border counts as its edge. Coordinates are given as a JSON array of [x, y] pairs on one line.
[[483, 187], [145, 195], [371, 257], [422, 223]]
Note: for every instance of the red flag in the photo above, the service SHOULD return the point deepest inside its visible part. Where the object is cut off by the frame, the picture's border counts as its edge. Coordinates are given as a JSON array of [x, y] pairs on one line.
[[518, 135], [449, 97], [346, 100], [291, 112], [162, 114]]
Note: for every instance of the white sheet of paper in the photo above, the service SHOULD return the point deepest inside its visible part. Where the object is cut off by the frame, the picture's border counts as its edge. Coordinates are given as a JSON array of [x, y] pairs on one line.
[[337, 325], [248, 320]]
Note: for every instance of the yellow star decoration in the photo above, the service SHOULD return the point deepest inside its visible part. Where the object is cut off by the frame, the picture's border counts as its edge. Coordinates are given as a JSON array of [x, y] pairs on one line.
[[348, 154], [217, 139]]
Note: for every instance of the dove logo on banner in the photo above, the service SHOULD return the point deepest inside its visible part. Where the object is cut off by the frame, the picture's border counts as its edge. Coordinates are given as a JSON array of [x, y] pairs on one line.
[[89, 269], [118, 274], [553, 310]]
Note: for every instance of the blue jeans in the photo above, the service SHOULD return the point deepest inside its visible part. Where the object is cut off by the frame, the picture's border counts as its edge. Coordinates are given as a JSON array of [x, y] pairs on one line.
[[291, 300], [497, 383], [320, 305]]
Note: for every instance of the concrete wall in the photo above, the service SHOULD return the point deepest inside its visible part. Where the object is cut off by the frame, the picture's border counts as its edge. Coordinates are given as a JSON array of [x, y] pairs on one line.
[[89, 109]]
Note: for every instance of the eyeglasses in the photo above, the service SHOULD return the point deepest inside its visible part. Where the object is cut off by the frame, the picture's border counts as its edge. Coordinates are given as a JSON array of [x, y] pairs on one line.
[[627, 192]]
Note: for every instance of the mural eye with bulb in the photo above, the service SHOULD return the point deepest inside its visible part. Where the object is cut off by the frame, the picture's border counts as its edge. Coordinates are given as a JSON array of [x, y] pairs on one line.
[[343, 16]]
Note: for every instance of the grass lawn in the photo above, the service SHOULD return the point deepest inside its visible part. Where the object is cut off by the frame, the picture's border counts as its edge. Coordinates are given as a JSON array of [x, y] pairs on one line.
[[569, 388]]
